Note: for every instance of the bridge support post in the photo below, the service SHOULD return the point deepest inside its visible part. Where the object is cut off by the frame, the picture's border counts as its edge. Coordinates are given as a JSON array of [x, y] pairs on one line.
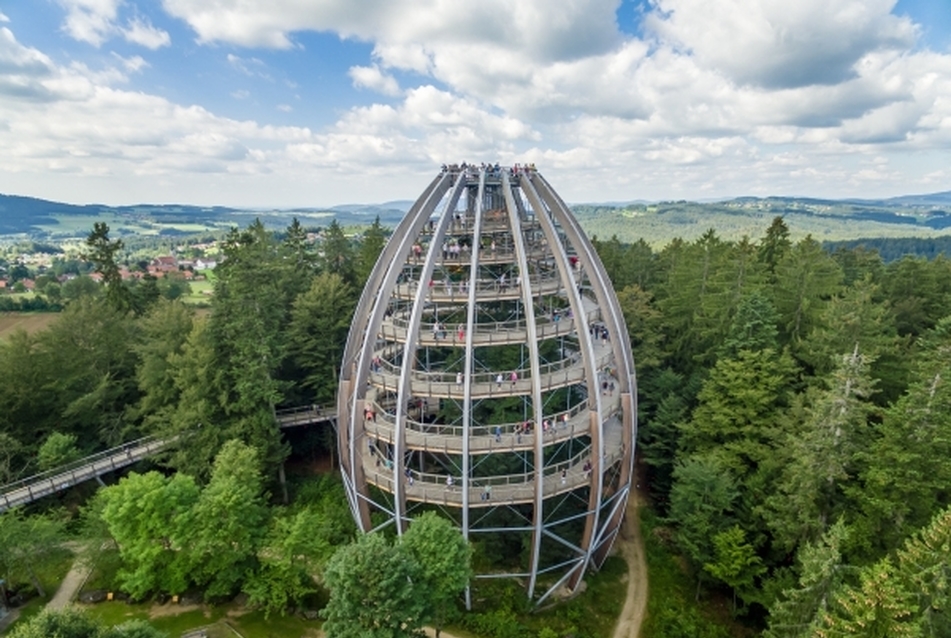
[[282, 478]]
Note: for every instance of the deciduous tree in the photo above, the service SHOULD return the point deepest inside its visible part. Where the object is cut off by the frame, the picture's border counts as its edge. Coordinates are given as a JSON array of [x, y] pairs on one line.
[[735, 563], [27, 542], [444, 558], [228, 521], [58, 449], [372, 593], [151, 519]]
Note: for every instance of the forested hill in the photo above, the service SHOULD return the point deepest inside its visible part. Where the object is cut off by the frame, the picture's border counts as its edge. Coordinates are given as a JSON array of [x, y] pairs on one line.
[[893, 248], [656, 223], [44, 220], [826, 220]]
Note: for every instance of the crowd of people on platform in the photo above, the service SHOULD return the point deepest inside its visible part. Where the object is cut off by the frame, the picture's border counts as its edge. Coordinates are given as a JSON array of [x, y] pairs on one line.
[[493, 170]]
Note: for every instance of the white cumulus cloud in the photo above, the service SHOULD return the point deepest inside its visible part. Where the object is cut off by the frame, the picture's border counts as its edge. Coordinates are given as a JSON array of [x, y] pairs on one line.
[[713, 97], [371, 77], [91, 21], [140, 31]]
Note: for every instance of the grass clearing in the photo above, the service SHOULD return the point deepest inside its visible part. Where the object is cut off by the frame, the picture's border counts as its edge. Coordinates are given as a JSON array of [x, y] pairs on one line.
[[201, 292], [175, 619]]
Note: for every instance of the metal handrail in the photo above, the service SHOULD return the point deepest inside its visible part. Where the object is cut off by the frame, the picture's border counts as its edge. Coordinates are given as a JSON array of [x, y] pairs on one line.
[[575, 465], [50, 481], [37, 486], [556, 419], [78, 463], [573, 361]]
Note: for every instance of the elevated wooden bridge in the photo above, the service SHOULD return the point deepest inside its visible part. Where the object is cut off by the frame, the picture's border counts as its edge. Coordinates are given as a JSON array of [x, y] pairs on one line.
[[95, 465]]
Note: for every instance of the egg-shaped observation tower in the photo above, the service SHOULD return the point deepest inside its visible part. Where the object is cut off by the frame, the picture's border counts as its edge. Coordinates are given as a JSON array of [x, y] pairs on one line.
[[488, 375]]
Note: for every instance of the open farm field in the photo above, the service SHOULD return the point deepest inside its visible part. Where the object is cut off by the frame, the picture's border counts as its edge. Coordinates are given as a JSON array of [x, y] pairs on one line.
[[121, 224], [201, 292], [659, 225], [80, 225], [31, 322]]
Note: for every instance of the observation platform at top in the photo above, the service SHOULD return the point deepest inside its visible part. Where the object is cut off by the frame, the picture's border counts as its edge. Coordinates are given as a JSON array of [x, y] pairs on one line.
[[96, 465], [490, 491]]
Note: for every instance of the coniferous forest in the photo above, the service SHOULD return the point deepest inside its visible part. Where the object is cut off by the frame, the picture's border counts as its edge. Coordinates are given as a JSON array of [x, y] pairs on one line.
[[795, 426], [794, 415]]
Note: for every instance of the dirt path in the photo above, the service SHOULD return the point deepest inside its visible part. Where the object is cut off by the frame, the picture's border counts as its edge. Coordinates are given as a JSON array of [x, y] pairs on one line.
[[9, 619], [632, 548], [70, 585]]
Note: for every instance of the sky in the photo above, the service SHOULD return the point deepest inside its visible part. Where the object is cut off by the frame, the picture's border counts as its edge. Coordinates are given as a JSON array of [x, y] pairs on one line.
[[310, 103]]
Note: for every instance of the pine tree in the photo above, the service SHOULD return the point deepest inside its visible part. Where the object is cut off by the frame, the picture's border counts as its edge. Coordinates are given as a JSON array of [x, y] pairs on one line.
[[806, 278], [774, 246], [907, 469], [800, 611], [823, 456], [337, 254], [103, 253], [374, 239]]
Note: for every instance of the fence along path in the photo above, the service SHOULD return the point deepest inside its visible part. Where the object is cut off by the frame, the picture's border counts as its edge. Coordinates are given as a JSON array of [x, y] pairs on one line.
[[95, 465]]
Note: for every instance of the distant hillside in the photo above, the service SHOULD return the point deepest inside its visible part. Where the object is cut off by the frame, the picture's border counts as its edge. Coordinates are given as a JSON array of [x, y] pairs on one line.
[[44, 220], [18, 214], [657, 223], [826, 220]]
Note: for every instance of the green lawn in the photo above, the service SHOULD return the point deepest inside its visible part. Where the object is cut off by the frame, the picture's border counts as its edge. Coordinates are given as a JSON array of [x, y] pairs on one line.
[[200, 292], [175, 620], [50, 574]]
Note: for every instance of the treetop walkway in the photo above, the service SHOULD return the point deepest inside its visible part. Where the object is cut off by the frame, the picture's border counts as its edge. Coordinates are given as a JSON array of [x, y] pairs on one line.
[[34, 487], [95, 465]]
